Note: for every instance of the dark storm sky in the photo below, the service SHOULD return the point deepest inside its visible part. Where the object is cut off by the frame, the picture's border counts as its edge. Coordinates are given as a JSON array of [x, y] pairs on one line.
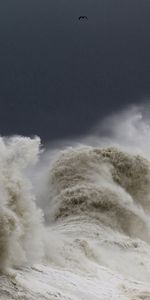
[[59, 76]]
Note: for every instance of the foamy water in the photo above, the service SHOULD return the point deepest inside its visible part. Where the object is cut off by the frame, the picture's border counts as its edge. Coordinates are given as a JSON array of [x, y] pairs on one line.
[[75, 221]]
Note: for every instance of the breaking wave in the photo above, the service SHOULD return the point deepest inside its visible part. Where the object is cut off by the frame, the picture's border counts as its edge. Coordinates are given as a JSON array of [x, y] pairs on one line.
[[106, 184], [80, 206], [99, 203]]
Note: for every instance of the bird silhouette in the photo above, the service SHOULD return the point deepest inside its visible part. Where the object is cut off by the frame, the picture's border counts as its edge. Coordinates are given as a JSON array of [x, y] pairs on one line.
[[83, 18]]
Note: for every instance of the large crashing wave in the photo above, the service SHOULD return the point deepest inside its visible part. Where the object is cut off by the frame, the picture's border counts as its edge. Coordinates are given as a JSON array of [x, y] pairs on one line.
[[98, 210], [95, 205]]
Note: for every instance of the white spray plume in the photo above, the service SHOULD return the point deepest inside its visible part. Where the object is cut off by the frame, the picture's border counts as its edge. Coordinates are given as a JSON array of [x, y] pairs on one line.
[[129, 129], [20, 220]]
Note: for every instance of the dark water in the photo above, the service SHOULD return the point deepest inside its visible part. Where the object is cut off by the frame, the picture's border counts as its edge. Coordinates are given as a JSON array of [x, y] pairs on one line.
[[58, 76]]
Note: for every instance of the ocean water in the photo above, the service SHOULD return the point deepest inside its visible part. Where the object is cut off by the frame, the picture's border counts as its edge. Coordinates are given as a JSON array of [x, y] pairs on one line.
[[75, 217]]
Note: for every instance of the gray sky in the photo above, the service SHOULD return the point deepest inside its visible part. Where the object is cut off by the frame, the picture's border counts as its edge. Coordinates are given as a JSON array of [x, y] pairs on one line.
[[59, 76]]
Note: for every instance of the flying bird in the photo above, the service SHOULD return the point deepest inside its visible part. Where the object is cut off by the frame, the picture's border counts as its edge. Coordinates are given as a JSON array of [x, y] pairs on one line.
[[83, 18]]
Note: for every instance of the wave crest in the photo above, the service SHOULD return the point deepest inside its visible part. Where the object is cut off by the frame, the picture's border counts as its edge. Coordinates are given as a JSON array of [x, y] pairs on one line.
[[107, 184]]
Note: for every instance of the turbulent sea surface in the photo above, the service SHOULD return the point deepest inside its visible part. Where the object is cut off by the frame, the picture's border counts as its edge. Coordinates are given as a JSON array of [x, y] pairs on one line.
[[75, 219]]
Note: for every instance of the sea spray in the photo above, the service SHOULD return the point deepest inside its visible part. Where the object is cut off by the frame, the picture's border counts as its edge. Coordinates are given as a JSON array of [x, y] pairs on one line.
[[94, 201], [20, 219]]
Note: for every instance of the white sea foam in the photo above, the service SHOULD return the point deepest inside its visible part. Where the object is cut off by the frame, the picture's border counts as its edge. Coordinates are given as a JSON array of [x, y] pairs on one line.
[[83, 207]]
